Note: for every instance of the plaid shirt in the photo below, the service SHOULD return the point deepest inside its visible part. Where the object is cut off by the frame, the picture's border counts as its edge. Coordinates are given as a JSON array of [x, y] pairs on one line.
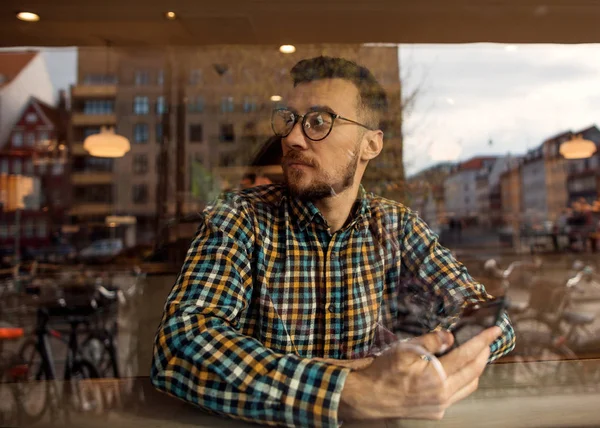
[[266, 287]]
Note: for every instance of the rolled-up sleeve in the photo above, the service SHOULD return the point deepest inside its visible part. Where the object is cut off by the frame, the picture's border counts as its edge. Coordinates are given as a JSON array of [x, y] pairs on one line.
[[200, 355], [436, 267]]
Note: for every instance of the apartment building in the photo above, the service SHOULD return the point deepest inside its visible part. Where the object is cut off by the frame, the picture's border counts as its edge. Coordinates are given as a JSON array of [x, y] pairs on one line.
[[460, 188], [208, 109]]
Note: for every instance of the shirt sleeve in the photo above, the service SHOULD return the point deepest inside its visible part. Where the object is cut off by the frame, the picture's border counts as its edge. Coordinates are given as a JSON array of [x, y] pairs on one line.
[[201, 357], [433, 265]]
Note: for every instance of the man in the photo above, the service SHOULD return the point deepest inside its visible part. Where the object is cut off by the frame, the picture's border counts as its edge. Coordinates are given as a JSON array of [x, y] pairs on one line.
[[286, 288]]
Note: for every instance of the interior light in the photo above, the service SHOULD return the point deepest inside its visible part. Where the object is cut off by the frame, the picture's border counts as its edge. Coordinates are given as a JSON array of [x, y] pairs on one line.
[[276, 98], [28, 16], [171, 15], [287, 49]]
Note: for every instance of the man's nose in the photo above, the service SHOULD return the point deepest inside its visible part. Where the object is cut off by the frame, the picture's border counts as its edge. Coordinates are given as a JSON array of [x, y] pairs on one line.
[[296, 139]]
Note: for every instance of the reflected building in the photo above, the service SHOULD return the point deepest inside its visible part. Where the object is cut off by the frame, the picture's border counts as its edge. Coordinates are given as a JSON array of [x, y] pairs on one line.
[[195, 119]]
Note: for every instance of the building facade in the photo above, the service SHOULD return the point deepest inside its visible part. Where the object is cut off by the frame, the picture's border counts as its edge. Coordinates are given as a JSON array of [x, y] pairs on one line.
[[193, 115]]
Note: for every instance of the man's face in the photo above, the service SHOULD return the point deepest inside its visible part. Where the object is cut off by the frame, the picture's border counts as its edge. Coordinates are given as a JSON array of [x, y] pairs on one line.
[[317, 169]]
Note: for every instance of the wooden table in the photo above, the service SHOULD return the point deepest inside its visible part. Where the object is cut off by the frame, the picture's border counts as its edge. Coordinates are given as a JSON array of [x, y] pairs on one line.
[[499, 402]]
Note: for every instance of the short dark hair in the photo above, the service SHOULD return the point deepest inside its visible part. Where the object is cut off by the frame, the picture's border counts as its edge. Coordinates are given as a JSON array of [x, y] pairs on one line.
[[372, 96]]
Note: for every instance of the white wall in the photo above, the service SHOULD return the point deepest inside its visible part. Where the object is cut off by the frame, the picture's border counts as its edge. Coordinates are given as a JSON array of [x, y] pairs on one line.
[[33, 80]]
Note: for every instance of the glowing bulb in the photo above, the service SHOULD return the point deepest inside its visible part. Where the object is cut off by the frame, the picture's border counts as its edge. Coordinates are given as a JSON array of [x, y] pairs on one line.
[[276, 98], [287, 49], [171, 15], [28, 16]]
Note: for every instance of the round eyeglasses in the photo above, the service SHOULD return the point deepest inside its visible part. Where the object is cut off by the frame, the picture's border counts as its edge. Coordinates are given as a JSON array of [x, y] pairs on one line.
[[316, 125]]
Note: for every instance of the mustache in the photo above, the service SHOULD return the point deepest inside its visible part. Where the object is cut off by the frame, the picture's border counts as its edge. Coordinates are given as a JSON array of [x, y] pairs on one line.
[[295, 157]]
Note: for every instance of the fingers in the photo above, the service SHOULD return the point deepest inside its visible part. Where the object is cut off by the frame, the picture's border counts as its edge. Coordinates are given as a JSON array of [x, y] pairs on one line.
[[463, 382], [436, 342], [461, 356]]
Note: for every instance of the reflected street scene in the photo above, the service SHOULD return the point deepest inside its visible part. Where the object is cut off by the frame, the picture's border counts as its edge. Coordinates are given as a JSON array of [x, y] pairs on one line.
[[218, 228]]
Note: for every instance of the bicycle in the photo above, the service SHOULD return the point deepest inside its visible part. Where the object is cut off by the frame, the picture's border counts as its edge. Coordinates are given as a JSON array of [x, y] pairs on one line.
[[43, 392], [551, 334], [11, 371]]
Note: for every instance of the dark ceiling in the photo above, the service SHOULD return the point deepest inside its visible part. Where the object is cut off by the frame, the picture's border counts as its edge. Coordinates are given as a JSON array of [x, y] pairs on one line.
[[142, 22]]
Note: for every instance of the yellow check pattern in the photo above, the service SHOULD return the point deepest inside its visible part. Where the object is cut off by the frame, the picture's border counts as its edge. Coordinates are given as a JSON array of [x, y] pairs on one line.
[[266, 288]]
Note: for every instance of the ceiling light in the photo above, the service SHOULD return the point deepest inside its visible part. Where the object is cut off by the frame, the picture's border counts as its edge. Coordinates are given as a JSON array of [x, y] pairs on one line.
[[28, 16], [170, 15], [106, 144], [287, 49], [577, 148], [276, 98]]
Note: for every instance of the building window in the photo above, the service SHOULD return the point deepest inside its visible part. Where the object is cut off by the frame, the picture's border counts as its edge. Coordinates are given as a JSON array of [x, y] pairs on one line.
[[140, 163], [28, 167], [17, 139], [90, 131], [99, 107], [227, 133], [99, 79], [139, 193], [42, 229], [4, 166], [142, 78], [43, 136], [227, 159], [160, 78], [30, 139], [41, 168], [17, 166], [250, 104], [140, 133], [196, 133], [158, 133], [57, 168], [195, 77], [161, 106], [28, 229], [227, 104], [31, 118], [141, 105], [196, 104]]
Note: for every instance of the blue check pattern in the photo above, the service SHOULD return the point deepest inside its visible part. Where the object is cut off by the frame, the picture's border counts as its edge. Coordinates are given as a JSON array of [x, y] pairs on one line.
[[266, 288]]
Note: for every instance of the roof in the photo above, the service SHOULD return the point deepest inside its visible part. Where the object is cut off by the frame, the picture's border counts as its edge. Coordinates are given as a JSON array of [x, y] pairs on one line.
[[12, 63], [50, 112], [475, 163]]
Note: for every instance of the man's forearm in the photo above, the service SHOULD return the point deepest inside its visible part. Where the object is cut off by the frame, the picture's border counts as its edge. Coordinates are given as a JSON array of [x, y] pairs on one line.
[[234, 375]]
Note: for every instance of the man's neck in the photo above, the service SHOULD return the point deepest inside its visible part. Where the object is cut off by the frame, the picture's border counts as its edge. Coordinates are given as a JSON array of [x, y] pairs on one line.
[[337, 209]]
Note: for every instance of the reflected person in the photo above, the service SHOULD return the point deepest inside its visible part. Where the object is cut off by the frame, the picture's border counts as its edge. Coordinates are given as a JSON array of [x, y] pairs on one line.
[[276, 308]]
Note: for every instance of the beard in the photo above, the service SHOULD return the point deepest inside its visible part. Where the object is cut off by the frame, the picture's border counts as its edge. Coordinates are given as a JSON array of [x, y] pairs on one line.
[[325, 184]]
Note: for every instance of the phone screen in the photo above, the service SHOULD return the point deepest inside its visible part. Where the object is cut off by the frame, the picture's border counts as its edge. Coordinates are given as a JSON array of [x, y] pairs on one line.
[[477, 317]]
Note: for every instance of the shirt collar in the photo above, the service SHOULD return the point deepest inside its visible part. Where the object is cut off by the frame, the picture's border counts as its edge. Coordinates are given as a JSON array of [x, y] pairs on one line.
[[305, 212]]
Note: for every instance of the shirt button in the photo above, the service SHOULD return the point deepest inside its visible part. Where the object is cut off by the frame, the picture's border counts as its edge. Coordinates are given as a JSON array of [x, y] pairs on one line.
[[331, 308]]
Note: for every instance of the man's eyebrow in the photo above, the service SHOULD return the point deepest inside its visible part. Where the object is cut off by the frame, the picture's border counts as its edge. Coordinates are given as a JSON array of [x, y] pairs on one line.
[[322, 108]]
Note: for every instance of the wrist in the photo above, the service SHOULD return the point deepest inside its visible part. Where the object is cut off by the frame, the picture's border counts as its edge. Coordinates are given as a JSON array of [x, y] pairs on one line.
[[352, 400]]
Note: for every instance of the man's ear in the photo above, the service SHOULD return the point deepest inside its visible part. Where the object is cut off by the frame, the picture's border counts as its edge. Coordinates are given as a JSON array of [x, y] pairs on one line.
[[374, 145]]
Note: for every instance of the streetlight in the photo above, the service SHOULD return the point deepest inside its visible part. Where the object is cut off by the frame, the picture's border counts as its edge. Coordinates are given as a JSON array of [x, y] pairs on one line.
[[577, 148]]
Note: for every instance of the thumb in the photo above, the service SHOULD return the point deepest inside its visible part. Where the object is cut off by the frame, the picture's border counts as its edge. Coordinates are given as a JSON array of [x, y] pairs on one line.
[[436, 342]]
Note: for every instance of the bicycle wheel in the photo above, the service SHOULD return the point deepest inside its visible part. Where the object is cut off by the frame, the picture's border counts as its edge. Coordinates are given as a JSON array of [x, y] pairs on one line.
[[9, 413], [34, 387], [83, 392], [540, 364], [96, 349]]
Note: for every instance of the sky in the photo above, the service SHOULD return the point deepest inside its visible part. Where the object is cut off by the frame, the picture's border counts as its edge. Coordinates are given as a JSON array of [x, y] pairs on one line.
[[473, 99], [515, 96]]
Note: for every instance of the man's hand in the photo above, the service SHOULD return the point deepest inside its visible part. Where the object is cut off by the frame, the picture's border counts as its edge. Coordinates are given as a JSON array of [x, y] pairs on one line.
[[401, 384], [351, 364]]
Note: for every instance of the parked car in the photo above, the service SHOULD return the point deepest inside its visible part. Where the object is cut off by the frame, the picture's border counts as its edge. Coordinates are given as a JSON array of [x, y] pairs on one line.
[[101, 251]]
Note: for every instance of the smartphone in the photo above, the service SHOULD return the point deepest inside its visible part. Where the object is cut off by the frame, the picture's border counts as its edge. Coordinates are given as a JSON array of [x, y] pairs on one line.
[[475, 318]]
